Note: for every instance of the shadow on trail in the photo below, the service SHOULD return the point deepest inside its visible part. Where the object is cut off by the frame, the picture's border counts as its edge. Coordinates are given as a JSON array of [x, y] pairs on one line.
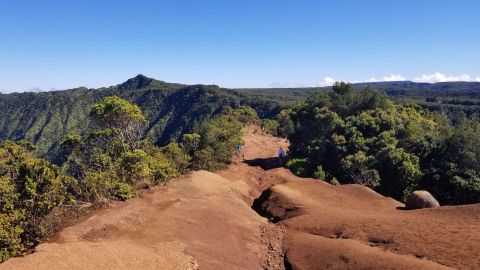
[[264, 163]]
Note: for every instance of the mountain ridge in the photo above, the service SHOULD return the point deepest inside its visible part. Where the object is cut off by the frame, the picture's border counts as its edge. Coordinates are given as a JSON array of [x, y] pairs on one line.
[[45, 118]]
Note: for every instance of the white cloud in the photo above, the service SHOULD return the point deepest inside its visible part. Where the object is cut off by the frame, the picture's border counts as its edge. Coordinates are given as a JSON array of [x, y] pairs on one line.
[[427, 78], [439, 77], [388, 78], [327, 81], [393, 78]]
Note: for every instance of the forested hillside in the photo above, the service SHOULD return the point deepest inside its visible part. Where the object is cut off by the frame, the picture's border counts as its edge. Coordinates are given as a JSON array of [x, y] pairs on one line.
[[450, 98], [45, 119]]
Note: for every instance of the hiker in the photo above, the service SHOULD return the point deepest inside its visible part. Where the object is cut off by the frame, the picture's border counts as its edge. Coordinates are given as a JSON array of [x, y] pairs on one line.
[[281, 156], [238, 148]]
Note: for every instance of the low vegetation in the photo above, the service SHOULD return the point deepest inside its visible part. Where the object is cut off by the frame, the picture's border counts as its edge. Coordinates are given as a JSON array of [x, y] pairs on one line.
[[30, 188], [115, 161]]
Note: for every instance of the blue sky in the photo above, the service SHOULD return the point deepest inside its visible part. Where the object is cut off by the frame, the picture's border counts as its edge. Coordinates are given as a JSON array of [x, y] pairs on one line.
[[237, 43]]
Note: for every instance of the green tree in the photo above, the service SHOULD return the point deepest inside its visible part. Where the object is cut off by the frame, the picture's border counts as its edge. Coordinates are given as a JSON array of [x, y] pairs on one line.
[[118, 114]]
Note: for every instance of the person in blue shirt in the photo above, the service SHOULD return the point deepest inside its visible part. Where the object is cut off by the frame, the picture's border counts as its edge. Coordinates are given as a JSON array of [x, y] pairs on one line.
[[281, 156], [238, 148]]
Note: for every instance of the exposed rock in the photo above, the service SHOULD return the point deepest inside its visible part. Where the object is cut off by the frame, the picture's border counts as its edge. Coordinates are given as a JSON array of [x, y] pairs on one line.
[[421, 199]]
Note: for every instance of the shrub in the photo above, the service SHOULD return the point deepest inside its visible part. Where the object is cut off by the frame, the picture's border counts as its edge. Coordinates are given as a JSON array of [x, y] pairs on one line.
[[319, 173], [30, 188], [179, 159], [190, 142], [245, 115], [122, 191], [270, 126], [298, 166], [334, 181], [218, 138]]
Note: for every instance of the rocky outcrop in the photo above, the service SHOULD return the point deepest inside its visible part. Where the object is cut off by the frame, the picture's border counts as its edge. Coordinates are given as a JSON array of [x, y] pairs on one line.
[[421, 199]]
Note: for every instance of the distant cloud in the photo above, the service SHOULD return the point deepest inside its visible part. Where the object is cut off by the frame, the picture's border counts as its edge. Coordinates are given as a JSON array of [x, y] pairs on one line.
[[439, 77], [394, 78], [327, 81], [425, 78], [388, 78]]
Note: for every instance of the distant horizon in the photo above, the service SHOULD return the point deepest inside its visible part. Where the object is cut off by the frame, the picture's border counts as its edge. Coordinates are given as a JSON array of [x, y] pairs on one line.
[[236, 44], [268, 87]]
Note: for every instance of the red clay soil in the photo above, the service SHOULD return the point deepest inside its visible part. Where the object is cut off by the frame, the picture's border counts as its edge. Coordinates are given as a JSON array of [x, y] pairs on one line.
[[205, 221], [352, 227]]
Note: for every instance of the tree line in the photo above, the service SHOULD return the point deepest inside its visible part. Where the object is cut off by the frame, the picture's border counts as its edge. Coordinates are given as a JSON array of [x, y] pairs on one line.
[[348, 135]]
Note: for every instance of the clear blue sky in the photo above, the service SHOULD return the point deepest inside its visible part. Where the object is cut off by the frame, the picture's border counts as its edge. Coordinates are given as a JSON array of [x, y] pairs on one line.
[[235, 43]]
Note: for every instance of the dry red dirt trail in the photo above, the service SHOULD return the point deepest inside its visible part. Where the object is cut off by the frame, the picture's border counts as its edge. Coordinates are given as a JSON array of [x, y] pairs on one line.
[[205, 221]]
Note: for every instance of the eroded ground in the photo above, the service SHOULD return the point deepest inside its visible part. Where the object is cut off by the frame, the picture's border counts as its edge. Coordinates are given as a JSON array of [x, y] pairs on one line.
[[206, 221]]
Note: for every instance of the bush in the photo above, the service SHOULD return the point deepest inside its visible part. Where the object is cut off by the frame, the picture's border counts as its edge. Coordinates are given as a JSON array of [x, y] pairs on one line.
[[122, 191], [96, 185], [190, 143], [319, 173], [30, 188], [205, 159], [245, 115], [270, 126], [218, 138], [334, 181], [178, 158], [298, 166]]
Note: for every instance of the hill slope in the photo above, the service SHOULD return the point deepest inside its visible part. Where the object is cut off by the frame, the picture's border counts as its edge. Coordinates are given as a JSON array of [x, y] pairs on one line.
[[172, 109], [45, 118], [205, 221]]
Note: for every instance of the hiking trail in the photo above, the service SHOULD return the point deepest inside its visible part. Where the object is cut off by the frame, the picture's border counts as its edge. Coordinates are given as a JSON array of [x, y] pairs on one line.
[[253, 215]]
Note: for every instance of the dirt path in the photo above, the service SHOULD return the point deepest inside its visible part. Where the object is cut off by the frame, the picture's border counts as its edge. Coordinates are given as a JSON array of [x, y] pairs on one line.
[[201, 221], [205, 221]]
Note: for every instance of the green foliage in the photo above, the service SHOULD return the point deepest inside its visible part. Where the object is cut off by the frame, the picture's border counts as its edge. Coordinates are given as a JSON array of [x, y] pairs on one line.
[[179, 159], [46, 118], [285, 123], [112, 161], [105, 164], [298, 166], [245, 115], [118, 115], [172, 110], [319, 173], [270, 126], [113, 112], [359, 136], [334, 181], [218, 137], [123, 191], [190, 142], [30, 188]]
